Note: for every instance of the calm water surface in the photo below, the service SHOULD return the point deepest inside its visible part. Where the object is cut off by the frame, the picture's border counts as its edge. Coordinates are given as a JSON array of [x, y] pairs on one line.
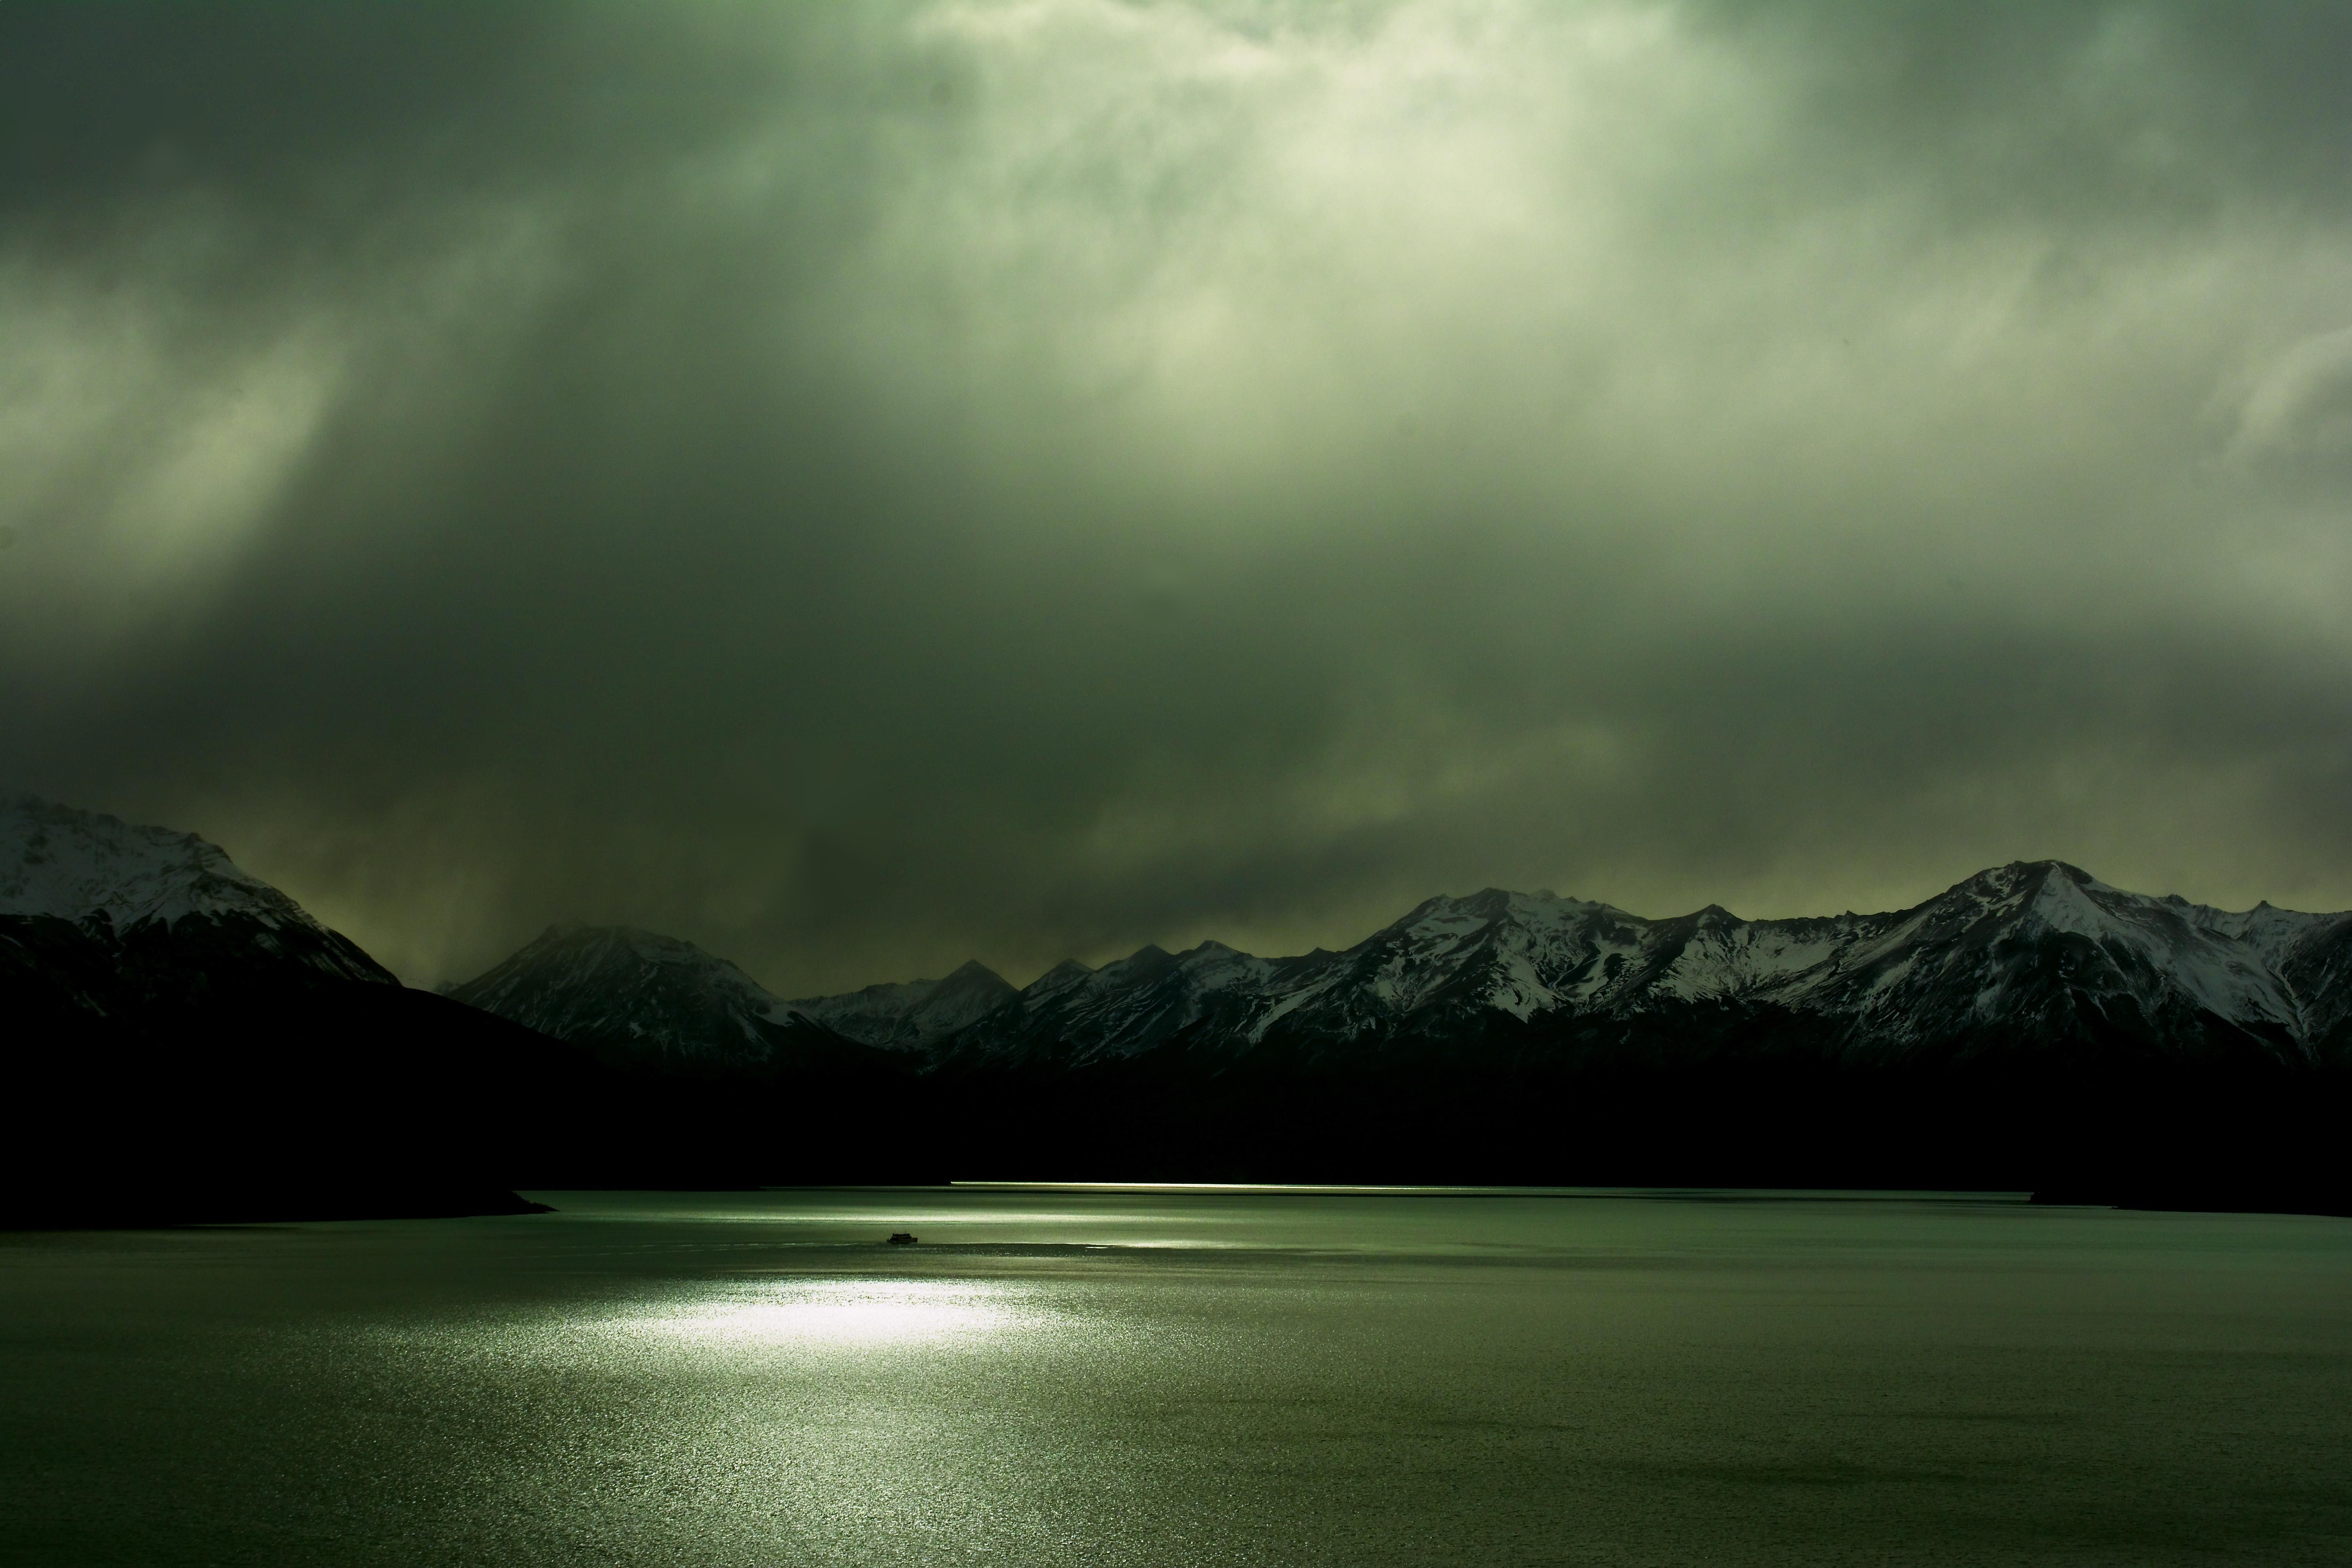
[[1098, 1376]]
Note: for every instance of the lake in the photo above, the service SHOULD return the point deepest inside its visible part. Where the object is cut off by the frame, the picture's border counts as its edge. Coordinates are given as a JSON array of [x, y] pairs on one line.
[[1167, 1376]]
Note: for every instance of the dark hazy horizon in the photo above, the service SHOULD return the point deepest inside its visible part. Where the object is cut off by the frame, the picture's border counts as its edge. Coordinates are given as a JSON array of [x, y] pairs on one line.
[[864, 488]]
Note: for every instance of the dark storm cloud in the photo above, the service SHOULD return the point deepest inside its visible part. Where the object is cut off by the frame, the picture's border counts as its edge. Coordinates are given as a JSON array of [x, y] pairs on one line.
[[860, 490]]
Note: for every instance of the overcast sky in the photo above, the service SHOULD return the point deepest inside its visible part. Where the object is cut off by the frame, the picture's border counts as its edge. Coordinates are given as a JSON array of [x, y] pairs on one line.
[[862, 488]]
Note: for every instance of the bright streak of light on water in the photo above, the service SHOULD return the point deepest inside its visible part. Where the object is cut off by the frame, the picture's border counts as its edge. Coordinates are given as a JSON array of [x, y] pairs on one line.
[[865, 1313]]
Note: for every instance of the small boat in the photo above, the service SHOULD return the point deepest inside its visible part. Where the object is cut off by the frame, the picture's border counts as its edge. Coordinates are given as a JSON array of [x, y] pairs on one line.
[[902, 1238]]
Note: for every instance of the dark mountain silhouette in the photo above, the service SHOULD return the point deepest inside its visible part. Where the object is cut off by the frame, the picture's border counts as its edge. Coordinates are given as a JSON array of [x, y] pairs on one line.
[[183, 1043]]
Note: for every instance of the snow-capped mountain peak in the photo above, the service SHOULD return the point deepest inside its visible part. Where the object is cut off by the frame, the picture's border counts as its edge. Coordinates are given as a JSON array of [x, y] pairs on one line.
[[160, 892], [71, 865], [639, 996]]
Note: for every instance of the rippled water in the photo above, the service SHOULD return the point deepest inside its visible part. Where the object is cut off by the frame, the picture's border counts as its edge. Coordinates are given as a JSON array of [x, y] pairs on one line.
[[1091, 1376]]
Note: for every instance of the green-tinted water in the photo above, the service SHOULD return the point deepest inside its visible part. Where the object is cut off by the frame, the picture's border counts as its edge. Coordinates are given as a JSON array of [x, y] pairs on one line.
[[1171, 1378]]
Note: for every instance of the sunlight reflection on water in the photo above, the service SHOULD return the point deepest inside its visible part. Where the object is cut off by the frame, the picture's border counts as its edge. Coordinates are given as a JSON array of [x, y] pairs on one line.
[[845, 1313], [1233, 1381]]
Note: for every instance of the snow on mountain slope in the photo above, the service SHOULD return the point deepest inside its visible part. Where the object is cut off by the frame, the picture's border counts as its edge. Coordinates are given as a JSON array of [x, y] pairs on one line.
[[644, 997], [1077, 1015], [912, 1014], [1999, 941], [83, 867], [2024, 956], [69, 864], [2317, 965], [2031, 951]]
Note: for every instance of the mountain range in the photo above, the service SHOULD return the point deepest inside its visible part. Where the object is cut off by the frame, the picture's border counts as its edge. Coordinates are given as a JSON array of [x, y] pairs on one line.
[[184, 1041], [2029, 1025], [2035, 961]]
